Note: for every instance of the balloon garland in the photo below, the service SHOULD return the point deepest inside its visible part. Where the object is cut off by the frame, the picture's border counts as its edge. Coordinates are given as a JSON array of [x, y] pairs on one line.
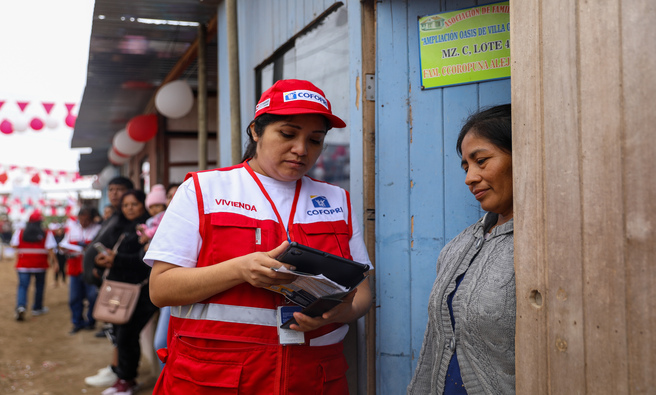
[[21, 121]]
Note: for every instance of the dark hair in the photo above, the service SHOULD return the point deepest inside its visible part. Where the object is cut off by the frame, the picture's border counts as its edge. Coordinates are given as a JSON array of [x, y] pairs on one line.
[[87, 210], [33, 232], [259, 124], [171, 186], [120, 180], [139, 195], [493, 124], [124, 225]]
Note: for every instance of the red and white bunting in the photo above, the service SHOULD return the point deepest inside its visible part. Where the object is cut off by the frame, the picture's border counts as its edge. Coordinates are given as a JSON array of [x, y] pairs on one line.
[[34, 118]]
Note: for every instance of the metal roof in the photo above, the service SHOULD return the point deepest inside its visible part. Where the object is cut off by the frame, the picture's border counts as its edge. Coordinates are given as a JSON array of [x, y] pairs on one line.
[[129, 58]]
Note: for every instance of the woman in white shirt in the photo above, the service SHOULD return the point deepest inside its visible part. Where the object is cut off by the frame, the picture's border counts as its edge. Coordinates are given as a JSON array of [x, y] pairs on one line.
[[214, 254]]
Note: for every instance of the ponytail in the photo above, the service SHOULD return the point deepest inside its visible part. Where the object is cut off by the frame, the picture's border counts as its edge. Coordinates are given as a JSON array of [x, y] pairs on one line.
[[258, 125]]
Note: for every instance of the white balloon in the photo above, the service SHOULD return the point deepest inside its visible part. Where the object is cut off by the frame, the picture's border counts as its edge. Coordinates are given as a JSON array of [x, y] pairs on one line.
[[175, 99], [51, 123], [125, 145], [107, 174], [21, 124], [115, 158]]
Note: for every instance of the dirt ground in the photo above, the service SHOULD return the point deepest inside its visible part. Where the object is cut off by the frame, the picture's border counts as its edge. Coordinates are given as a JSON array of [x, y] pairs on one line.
[[39, 357]]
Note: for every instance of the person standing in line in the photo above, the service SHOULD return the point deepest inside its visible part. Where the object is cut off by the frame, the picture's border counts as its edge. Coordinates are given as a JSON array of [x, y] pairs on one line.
[[212, 267], [156, 206], [92, 273], [125, 264], [59, 231], [34, 249], [156, 203], [108, 211], [78, 237], [116, 187], [469, 343], [162, 329]]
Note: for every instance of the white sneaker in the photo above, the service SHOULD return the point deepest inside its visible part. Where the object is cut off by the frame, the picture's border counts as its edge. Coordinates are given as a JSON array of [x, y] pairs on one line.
[[104, 378], [43, 311], [20, 313]]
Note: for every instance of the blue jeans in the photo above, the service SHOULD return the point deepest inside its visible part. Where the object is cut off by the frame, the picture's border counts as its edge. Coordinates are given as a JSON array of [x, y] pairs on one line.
[[162, 330], [78, 291], [24, 283]]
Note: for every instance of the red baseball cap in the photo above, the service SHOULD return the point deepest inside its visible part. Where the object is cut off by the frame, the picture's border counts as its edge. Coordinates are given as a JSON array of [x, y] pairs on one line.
[[291, 97], [36, 217]]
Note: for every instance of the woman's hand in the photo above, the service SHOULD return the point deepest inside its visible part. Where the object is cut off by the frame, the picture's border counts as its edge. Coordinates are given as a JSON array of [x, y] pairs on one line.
[[353, 306], [257, 268], [105, 259], [141, 232], [172, 285]]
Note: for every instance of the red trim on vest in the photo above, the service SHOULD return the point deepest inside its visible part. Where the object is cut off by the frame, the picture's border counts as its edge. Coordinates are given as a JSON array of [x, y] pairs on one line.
[[273, 206], [244, 294], [199, 200], [74, 263], [36, 260], [350, 218]]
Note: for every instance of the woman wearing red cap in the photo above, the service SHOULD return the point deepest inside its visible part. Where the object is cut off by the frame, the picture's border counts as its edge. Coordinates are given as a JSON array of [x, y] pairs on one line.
[[33, 246], [212, 268]]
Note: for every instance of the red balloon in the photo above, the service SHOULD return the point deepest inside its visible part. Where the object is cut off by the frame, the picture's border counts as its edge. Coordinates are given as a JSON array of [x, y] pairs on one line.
[[70, 120], [6, 127], [36, 124], [142, 127]]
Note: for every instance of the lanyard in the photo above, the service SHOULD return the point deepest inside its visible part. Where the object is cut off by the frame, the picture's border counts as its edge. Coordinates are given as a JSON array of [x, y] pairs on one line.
[[297, 193]]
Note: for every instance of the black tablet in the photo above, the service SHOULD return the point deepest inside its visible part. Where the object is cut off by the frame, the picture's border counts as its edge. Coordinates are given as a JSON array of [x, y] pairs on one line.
[[308, 260]]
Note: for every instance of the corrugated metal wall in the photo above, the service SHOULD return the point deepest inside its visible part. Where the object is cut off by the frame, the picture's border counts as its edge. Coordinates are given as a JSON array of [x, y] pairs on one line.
[[264, 26], [421, 199]]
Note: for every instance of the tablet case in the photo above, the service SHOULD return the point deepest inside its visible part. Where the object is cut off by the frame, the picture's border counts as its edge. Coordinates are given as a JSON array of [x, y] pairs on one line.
[[309, 260]]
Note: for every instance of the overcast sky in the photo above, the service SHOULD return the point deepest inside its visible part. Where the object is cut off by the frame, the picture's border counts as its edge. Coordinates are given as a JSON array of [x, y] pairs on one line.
[[44, 47]]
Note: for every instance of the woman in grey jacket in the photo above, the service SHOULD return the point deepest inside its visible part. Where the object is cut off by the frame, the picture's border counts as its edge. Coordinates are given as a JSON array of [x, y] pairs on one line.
[[469, 344]]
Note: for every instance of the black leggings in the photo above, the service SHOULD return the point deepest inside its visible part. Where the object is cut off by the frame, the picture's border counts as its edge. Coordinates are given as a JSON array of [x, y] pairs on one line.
[[60, 270], [127, 336]]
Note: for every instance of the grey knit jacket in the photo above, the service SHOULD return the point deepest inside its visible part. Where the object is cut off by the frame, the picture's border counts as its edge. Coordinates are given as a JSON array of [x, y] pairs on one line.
[[484, 311]]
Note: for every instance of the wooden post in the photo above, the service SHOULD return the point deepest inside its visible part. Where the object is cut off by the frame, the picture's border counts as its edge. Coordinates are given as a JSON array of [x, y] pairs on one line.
[[583, 93], [202, 97], [369, 177], [233, 66]]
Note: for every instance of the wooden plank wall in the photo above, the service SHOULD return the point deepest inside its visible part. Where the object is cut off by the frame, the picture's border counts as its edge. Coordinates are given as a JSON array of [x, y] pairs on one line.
[[638, 143], [583, 88]]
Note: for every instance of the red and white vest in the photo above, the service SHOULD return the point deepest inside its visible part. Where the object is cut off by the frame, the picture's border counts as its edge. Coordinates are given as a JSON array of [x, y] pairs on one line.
[[238, 218], [79, 236], [31, 255]]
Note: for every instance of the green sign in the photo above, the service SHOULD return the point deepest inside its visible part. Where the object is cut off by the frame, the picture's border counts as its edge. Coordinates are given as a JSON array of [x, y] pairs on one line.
[[465, 46]]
